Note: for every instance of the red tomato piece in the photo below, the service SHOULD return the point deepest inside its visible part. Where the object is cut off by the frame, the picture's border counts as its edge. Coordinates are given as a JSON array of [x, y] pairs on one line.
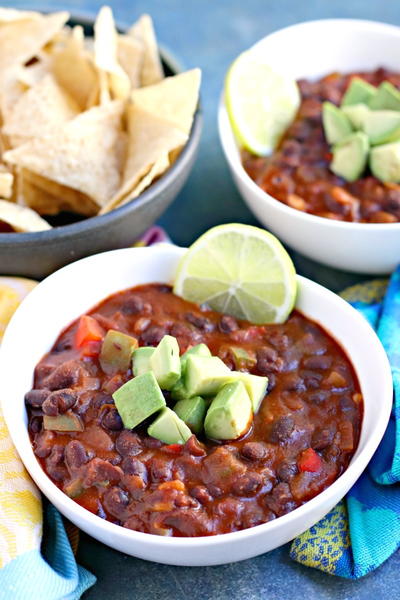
[[174, 448], [88, 330], [309, 461]]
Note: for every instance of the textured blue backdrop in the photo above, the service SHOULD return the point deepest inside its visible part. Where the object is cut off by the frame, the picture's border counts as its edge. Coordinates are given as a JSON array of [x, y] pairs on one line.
[[209, 34]]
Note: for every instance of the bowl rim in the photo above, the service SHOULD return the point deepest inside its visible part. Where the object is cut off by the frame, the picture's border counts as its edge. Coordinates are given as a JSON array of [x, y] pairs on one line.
[[90, 224], [64, 503], [224, 126]]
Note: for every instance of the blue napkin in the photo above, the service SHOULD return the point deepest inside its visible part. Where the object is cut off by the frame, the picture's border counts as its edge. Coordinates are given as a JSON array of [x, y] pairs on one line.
[[362, 531]]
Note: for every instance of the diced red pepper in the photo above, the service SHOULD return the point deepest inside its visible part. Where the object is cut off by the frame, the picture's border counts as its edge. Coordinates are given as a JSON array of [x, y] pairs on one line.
[[90, 349], [88, 330], [309, 461], [174, 448]]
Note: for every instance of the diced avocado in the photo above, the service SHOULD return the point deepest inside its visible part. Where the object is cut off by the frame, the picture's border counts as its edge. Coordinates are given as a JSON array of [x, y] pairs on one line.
[[192, 411], [179, 391], [138, 399], [165, 362], [205, 375], [356, 113], [169, 428], [336, 125], [358, 92], [69, 421], [385, 162], [116, 351], [256, 387], [387, 97], [242, 358], [382, 126], [141, 360], [230, 414], [350, 156], [198, 350]]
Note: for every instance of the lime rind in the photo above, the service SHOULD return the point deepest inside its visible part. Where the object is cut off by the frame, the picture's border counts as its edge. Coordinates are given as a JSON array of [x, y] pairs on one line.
[[261, 102], [262, 285]]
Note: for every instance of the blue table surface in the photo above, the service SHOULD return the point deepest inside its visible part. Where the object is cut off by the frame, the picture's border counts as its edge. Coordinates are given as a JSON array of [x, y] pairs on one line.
[[209, 34]]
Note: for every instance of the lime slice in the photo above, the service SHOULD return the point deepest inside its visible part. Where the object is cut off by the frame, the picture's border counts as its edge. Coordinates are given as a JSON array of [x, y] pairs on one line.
[[239, 270], [261, 103]]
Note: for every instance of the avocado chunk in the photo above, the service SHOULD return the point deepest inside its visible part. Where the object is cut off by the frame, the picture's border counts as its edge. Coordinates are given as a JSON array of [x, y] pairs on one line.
[[230, 414], [382, 126], [358, 92], [385, 162], [205, 375], [387, 97], [165, 362], [356, 113], [116, 351], [198, 350], [69, 421], [192, 411], [169, 428], [242, 359], [350, 156], [256, 387], [336, 125], [138, 399], [141, 360]]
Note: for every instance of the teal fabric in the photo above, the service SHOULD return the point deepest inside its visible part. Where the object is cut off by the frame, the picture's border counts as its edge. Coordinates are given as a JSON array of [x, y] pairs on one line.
[[357, 536], [54, 576]]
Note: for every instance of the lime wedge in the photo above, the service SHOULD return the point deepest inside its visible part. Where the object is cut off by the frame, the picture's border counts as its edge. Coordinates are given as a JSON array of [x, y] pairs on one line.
[[261, 103], [239, 270]]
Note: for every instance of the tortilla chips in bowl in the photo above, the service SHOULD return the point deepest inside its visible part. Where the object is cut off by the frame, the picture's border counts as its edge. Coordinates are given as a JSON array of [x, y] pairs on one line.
[[98, 134]]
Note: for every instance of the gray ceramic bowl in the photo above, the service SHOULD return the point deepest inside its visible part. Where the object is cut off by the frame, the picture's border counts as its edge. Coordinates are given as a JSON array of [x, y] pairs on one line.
[[39, 254]]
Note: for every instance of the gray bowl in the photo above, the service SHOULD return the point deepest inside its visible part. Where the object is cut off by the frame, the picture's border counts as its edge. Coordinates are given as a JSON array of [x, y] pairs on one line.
[[39, 254]]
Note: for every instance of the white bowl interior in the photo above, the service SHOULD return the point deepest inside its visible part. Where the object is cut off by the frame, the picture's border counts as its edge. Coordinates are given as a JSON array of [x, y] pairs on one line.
[[66, 294]]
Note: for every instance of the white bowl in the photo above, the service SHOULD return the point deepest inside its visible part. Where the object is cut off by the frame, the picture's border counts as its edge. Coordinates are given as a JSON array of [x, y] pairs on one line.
[[311, 50], [69, 292]]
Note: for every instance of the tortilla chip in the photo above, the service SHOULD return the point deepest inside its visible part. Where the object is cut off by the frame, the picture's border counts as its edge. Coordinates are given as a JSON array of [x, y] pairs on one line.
[[82, 155], [21, 218], [49, 198], [75, 71], [32, 74], [6, 184], [150, 138], [130, 56], [20, 40], [143, 31], [10, 92], [105, 54], [11, 14], [174, 98], [41, 111]]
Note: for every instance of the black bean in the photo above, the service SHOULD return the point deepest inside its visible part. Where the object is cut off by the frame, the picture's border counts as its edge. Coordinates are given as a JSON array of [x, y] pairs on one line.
[[312, 379], [318, 397], [115, 501], [322, 437], [35, 424], [133, 466], [317, 362], [160, 470], [128, 443], [228, 324], [98, 471], [201, 493], [153, 335], [293, 383], [58, 402], [100, 398], [346, 403], [64, 376], [75, 455], [268, 361], [36, 397], [286, 470], [43, 443], [194, 447], [201, 323], [55, 463], [247, 484], [111, 420], [282, 429], [254, 450], [132, 306]]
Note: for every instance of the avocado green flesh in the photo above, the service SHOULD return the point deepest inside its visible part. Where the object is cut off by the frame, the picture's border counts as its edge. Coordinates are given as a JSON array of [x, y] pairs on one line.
[[387, 97], [359, 92], [141, 360], [169, 428], [192, 411], [385, 162], [382, 126], [336, 125], [256, 387], [229, 415], [116, 351], [205, 375], [350, 157], [356, 113], [66, 422], [138, 399], [165, 362], [198, 350]]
